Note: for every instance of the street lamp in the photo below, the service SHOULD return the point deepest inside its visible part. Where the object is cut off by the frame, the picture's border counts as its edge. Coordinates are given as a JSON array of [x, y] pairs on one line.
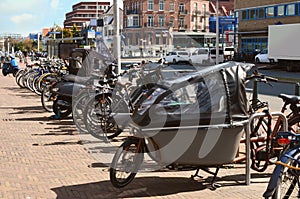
[[217, 31]]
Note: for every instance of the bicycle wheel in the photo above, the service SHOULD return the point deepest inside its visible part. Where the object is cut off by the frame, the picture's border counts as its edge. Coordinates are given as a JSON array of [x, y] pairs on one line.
[[78, 111], [35, 86], [126, 163], [259, 154], [19, 78], [294, 123], [30, 79], [47, 101], [63, 112], [288, 182], [98, 119], [44, 80]]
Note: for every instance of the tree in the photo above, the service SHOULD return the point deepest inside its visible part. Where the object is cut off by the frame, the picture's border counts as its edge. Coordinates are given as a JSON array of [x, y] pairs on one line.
[[75, 31]]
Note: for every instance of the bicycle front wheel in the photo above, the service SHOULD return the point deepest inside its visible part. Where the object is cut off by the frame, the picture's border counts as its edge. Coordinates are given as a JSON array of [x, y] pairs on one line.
[[288, 182], [126, 162]]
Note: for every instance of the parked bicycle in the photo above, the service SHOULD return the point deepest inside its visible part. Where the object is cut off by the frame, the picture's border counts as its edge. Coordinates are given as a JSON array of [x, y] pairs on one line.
[[263, 130], [284, 182]]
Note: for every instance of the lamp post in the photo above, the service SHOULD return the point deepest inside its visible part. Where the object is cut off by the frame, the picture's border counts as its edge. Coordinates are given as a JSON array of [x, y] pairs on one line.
[[217, 31], [117, 40]]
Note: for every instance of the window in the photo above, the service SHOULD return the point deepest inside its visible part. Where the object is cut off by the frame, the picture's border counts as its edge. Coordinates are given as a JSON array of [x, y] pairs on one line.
[[280, 11], [150, 5], [270, 12], [171, 6], [244, 14], [171, 22], [181, 7], [164, 40], [181, 22], [157, 40], [161, 5], [252, 14], [137, 36], [195, 7], [135, 21], [260, 12], [150, 21], [290, 9], [161, 20]]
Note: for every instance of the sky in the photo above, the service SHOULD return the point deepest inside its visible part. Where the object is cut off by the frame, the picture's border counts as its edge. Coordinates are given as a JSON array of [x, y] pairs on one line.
[[30, 16]]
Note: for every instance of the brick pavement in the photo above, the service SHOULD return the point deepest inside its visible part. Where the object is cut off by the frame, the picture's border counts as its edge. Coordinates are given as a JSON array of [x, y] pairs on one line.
[[43, 158]]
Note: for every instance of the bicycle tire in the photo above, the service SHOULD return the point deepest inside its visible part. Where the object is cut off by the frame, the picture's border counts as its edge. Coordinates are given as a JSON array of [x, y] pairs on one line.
[[98, 120], [46, 100], [129, 165], [35, 86], [259, 155], [288, 179], [294, 123], [30, 79], [62, 112], [19, 78], [42, 82], [78, 108]]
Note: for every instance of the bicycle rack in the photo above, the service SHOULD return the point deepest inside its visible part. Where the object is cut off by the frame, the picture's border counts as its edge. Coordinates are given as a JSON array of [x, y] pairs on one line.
[[248, 131]]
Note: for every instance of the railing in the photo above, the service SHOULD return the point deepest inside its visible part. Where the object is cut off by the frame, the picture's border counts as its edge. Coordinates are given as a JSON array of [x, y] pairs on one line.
[[183, 12], [130, 12]]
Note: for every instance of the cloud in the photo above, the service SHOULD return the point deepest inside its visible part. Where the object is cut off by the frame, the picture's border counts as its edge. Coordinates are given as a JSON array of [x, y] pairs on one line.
[[54, 4], [22, 18]]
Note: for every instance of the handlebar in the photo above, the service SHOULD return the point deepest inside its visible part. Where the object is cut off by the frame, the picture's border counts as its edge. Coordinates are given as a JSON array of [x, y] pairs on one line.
[[261, 78]]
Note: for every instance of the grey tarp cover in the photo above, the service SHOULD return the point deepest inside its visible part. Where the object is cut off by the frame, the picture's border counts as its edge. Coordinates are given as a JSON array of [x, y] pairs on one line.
[[213, 95]]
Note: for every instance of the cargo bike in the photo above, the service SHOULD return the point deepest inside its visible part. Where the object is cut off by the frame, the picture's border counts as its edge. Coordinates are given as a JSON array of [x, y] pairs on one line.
[[195, 121]]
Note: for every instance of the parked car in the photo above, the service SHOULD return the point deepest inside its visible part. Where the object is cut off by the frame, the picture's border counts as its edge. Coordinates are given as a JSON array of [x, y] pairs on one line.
[[262, 57], [228, 53], [213, 55], [206, 56], [177, 56]]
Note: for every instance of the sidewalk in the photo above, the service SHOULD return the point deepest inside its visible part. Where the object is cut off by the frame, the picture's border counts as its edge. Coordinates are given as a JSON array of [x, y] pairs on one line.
[[42, 158]]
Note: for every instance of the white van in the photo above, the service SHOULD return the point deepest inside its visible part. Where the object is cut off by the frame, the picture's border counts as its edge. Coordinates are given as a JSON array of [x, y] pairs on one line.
[[205, 57], [177, 56]]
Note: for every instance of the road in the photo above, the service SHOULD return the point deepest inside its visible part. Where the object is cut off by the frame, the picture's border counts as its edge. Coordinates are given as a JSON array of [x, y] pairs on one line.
[[286, 84]]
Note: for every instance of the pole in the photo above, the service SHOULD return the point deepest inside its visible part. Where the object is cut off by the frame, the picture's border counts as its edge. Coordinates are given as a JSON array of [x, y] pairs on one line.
[[117, 40], [217, 31], [38, 41], [8, 46]]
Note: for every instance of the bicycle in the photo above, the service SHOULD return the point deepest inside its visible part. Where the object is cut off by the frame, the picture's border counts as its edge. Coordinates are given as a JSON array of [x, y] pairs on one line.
[[263, 133], [284, 182]]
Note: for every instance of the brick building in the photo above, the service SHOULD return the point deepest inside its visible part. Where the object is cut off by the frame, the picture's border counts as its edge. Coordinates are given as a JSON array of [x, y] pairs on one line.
[[254, 18], [83, 12], [155, 26]]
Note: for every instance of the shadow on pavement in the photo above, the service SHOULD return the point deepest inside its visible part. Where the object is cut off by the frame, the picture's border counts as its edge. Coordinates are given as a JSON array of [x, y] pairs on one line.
[[154, 186], [148, 186]]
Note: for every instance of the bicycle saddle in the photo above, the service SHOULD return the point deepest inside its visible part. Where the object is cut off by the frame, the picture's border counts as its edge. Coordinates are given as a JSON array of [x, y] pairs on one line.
[[290, 99]]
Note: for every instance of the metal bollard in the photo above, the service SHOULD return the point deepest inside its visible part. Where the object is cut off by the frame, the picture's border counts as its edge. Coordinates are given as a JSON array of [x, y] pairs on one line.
[[297, 88]]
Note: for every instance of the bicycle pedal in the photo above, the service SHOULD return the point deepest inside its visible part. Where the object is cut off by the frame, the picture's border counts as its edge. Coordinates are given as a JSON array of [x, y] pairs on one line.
[[261, 155]]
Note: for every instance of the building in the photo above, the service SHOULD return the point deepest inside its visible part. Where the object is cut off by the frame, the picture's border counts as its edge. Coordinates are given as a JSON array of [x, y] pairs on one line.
[[254, 17], [107, 29], [83, 12], [152, 27]]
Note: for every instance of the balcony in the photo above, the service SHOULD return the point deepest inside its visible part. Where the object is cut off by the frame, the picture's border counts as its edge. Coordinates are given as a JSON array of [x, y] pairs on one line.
[[132, 12], [197, 28], [183, 12], [197, 12], [182, 27]]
